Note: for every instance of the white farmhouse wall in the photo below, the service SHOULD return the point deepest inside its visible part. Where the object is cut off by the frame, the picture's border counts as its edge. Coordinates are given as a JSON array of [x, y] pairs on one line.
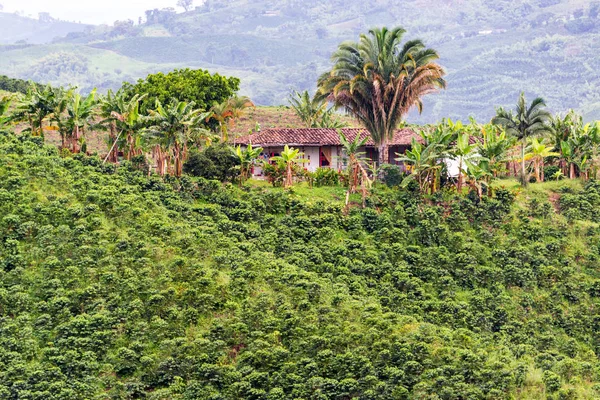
[[312, 154]]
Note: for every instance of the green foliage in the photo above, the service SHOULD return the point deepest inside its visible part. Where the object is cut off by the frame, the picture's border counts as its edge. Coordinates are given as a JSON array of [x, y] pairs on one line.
[[326, 177], [392, 175], [15, 85], [214, 162], [187, 85], [116, 284]]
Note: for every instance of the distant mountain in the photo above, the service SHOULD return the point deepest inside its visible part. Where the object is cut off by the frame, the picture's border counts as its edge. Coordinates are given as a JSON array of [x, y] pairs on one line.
[[492, 49], [14, 28]]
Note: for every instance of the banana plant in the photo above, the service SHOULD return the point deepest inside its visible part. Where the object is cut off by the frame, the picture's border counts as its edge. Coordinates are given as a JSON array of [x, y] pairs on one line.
[[539, 152], [247, 158], [290, 157]]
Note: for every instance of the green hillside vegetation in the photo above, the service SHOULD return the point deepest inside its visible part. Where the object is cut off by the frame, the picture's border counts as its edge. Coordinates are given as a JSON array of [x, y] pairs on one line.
[[546, 47], [119, 285]]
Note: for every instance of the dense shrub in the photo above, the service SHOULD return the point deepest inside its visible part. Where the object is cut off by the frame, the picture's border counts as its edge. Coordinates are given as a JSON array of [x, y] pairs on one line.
[[214, 162], [326, 177], [392, 175]]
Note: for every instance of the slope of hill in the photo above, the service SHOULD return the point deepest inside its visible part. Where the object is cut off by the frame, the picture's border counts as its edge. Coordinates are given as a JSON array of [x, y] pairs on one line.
[[114, 284], [14, 28], [492, 50]]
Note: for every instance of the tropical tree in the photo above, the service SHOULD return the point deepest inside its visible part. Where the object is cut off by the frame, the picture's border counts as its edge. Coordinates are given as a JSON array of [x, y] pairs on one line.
[[378, 80], [110, 111], [424, 164], [357, 175], [122, 114], [222, 114], [538, 153], [564, 129], [463, 151], [308, 109], [526, 122], [172, 128], [35, 108], [289, 157], [80, 111], [494, 148], [247, 158]]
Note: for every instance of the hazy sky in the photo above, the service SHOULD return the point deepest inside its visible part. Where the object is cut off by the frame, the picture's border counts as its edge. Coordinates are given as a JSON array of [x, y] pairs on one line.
[[87, 11]]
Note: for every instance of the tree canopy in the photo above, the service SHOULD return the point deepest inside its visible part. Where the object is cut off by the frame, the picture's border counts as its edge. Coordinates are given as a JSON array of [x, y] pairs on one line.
[[187, 85]]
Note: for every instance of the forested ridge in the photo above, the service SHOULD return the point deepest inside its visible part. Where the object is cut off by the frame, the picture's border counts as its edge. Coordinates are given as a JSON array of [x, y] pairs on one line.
[[118, 285]]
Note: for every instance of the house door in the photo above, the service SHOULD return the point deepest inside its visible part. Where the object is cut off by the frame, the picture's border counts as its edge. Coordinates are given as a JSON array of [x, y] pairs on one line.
[[325, 157]]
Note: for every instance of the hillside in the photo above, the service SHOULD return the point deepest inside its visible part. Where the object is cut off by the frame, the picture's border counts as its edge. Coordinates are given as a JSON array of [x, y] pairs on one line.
[[14, 28], [114, 284], [492, 50]]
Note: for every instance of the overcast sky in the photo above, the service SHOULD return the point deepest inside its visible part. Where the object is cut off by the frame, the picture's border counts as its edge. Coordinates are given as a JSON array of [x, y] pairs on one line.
[[87, 11]]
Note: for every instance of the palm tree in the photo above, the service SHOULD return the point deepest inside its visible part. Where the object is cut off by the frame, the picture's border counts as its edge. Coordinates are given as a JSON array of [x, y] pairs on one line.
[[539, 152], [173, 127], [80, 112], [247, 159], [377, 80], [290, 157], [528, 121], [308, 109]]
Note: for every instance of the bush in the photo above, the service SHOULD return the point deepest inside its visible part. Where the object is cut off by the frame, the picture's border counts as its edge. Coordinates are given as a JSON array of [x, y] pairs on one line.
[[216, 162], [326, 177], [392, 175], [550, 171]]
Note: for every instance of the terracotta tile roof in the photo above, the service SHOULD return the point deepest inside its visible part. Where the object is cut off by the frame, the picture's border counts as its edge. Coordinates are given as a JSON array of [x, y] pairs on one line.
[[317, 137]]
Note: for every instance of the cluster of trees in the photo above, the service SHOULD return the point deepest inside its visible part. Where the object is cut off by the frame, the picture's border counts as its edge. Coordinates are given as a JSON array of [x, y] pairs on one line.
[[176, 110]]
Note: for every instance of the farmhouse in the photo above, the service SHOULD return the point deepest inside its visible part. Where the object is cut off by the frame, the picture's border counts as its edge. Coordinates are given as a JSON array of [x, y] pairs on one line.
[[322, 147]]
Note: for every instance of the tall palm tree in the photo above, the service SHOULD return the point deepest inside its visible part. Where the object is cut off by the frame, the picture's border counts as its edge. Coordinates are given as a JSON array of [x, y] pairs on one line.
[[378, 80], [173, 127], [526, 122]]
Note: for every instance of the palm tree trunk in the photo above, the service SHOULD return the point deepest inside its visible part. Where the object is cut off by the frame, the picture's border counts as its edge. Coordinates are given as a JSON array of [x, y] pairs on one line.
[[572, 171], [384, 152], [538, 177], [542, 169]]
